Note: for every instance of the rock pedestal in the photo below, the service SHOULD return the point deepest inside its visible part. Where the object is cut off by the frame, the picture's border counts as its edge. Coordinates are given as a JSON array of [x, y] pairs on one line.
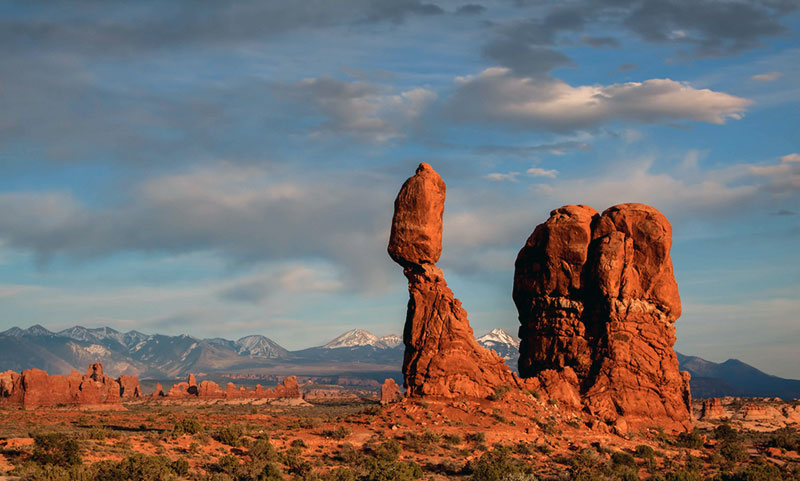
[[441, 357]]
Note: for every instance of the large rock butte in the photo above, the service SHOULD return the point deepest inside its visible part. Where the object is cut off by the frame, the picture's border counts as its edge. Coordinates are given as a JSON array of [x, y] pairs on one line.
[[597, 300], [34, 388], [442, 357]]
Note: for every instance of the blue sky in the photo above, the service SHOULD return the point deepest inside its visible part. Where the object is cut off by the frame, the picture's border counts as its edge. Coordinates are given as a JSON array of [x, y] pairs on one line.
[[228, 168]]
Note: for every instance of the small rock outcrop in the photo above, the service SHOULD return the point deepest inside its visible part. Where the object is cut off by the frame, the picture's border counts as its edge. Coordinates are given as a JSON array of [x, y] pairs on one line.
[[35, 388], [390, 391], [442, 357], [712, 409], [597, 300], [289, 389]]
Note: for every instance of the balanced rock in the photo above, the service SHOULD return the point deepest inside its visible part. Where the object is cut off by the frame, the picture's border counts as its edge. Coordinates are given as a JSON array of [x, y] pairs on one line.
[[597, 300], [441, 357], [390, 391]]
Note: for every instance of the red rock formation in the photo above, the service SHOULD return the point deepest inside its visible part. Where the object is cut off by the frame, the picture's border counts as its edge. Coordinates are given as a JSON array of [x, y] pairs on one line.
[[129, 386], [159, 392], [390, 391], [597, 300], [712, 409], [289, 388], [34, 388], [442, 357]]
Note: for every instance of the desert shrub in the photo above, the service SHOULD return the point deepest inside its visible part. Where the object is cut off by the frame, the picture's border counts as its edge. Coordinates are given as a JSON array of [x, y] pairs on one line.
[[57, 449], [378, 470], [348, 454], [180, 467], [476, 438], [340, 474], [499, 393], [49, 472], [262, 450], [137, 466], [733, 452], [388, 451], [421, 442], [498, 464], [524, 448], [724, 432], [230, 435], [228, 464], [753, 472], [690, 439], [187, 426], [340, 432], [681, 475], [295, 463], [98, 433], [298, 443], [271, 472], [785, 438], [645, 452], [620, 458], [452, 439]]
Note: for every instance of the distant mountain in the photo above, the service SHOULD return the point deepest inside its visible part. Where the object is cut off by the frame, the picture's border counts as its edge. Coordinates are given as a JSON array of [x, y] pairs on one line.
[[355, 352], [735, 378], [503, 343]]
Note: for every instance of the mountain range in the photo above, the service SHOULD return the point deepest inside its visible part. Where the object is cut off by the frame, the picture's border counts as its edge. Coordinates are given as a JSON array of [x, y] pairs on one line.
[[354, 353]]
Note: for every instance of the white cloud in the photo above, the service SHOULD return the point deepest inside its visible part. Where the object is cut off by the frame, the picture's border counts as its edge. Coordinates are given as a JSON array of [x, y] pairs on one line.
[[362, 109], [539, 172], [500, 177], [767, 77], [791, 158], [497, 95]]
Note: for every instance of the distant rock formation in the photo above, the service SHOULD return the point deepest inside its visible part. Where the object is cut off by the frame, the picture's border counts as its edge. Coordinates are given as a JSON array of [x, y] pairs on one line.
[[442, 357], [597, 300], [35, 388], [712, 409], [289, 388], [390, 391]]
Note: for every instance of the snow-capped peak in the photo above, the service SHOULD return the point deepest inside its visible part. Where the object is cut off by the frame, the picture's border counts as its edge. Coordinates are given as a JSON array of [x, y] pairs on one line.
[[260, 346], [354, 338], [499, 336], [392, 340]]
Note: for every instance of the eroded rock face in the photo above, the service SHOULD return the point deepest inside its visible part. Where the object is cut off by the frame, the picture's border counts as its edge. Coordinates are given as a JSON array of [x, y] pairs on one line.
[[442, 357], [289, 388], [712, 409], [597, 300]]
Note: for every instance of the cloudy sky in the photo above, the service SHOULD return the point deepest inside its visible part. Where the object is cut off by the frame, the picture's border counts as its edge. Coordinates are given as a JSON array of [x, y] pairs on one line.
[[228, 168]]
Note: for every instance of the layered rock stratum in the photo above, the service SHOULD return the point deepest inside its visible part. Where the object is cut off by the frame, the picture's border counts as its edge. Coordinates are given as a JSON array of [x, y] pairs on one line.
[[442, 357], [597, 302]]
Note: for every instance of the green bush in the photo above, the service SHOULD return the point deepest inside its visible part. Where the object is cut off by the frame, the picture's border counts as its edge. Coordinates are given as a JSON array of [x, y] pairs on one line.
[[230, 435], [340, 432], [271, 472], [187, 426], [476, 438], [753, 472], [139, 467], [388, 451], [180, 467], [691, 439], [498, 464], [785, 438], [340, 474], [262, 450], [734, 452], [392, 471], [57, 449], [499, 393], [645, 452], [683, 475], [348, 454], [620, 458], [724, 432]]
